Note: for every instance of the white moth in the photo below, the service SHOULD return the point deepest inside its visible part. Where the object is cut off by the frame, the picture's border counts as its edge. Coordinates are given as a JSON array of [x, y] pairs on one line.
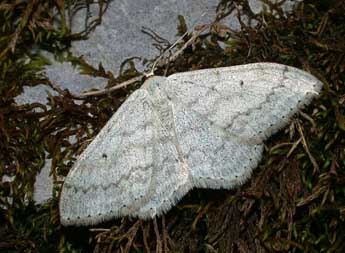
[[201, 128]]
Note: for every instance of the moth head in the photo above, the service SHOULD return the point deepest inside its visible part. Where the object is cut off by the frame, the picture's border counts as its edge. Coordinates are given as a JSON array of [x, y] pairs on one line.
[[154, 83]]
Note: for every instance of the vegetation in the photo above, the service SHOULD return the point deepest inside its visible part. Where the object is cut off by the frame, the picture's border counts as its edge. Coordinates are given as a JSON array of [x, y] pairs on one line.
[[295, 200]]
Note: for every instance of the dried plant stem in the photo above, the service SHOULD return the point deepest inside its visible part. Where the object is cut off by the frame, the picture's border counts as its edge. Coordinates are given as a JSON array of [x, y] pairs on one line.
[[306, 148], [56, 87], [99, 229], [200, 215], [145, 230], [317, 191], [131, 235], [158, 237], [165, 235], [295, 144], [307, 117], [280, 145]]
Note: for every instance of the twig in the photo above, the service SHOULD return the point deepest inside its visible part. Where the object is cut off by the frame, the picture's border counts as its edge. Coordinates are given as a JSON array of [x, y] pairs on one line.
[[131, 235], [307, 117], [305, 145], [99, 229], [56, 87], [280, 145], [317, 191], [294, 147], [165, 235], [159, 241], [200, 215], [145, 230]]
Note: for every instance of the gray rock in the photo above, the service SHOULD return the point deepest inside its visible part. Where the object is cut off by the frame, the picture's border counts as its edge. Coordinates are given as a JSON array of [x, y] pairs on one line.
[[34, 94], [120, 37], [257, 6], [44, 184]]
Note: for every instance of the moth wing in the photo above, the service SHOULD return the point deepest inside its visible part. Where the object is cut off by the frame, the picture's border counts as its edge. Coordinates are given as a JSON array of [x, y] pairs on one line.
[[223, 115], [119, 171], [250, 101]]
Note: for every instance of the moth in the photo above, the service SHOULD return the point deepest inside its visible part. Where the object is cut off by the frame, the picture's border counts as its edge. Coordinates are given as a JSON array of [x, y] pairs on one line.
[[203, 128]]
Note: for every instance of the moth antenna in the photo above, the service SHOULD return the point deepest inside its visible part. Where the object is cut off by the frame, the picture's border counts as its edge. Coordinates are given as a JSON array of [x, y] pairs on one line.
[[151, 72]]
